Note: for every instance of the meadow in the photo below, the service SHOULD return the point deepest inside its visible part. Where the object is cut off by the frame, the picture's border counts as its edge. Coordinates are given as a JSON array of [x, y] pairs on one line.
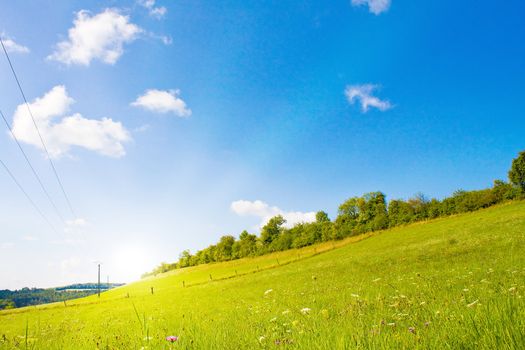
[[450, 283]]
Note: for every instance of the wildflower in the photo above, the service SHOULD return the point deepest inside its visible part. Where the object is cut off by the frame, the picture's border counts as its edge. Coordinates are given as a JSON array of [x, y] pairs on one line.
[[262, 338], [295, 323], [355, 295], [412, 330], [512, 289], [465, 290], [427, 323], [172, 338], [392, 324], [273, 319], [286, 312], [325, 313], [305, 310], [268, 291]]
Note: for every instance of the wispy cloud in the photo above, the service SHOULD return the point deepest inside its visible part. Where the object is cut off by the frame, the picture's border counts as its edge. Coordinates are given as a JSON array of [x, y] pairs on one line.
[[11, 46], [374, 6], [162, 101], [101, 37], [362, 94], [154, 11], [265, 212], [61, 132]]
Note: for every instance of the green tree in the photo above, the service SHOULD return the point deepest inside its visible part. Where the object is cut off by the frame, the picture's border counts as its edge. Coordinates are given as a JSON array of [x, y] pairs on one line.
[[517, 171], [184, 259], [321, 217], [246, 245], [272, 229], [224, 248]]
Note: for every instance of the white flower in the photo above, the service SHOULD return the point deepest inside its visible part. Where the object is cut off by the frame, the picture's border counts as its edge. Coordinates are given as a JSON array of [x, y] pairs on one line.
[[305, 310]]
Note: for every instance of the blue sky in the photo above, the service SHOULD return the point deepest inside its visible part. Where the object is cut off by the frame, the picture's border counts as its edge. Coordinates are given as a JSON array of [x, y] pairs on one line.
[[220, 114]]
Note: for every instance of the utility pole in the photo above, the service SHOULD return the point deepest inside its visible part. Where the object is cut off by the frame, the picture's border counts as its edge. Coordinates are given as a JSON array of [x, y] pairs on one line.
[[98, 287], [98, 284]]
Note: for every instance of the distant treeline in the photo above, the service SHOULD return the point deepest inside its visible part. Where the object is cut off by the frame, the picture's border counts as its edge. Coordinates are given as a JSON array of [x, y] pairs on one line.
[[356, 215], [10, 299]]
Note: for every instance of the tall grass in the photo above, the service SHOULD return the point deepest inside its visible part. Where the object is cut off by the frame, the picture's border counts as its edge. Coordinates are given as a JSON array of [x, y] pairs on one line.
[[453, 283]]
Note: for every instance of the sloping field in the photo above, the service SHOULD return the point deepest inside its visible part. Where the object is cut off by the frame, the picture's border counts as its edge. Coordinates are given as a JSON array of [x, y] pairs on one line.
[[451, 283]]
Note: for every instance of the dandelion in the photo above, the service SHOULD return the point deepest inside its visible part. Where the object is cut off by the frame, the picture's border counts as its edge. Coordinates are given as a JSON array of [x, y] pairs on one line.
[[512, 289], [392, 324], [295, 323], [325, 313], [268, 291], [355, 295], [172, 338], [465, 290], [305, 310]]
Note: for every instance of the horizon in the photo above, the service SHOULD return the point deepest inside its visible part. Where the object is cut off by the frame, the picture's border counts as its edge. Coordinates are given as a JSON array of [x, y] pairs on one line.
[[173, 124]]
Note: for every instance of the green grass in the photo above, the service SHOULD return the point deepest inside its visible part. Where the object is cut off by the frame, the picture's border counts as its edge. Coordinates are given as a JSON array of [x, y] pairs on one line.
[[453, 283]]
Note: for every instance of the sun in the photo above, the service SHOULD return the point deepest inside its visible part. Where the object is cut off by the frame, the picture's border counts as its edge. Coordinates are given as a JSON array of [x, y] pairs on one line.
[[129, 263]]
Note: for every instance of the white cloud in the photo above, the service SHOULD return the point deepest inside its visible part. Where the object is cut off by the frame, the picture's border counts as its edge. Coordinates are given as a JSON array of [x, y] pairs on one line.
[[265, 212], [29, 238], [6, 245], [11, 46], [161, 101], [374, 6], [101, 37], [61, 132], [157, 12], [166, 40], [363, 95]]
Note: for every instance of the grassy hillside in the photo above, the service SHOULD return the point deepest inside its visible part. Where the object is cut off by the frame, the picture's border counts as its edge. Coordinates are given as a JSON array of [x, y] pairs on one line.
[[451, 283]]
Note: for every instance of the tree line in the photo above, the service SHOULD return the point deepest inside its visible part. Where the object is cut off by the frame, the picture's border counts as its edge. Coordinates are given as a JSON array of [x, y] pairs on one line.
[[10, 299], [357, 215]]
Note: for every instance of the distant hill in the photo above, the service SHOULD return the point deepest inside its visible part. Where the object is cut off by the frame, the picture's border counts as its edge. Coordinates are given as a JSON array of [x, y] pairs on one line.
[[10, 299]]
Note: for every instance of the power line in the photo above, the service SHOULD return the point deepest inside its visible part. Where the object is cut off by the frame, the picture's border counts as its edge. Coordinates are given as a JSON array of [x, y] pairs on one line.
[[28, 197], [38, 130], [32, 168]]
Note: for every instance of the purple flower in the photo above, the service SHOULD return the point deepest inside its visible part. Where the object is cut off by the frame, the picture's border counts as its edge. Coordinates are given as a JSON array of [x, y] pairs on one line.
[[172, 338]]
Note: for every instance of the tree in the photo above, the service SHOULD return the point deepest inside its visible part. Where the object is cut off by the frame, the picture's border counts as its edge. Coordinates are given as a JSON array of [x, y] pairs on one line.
[[517, 171], [272, 229], [245, 246], [224, 248], [321, 217], [184, 259]]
